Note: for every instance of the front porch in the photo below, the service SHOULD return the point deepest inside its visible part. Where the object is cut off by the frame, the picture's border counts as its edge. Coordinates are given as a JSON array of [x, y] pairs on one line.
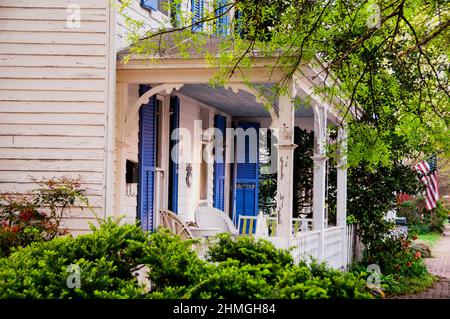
[[185, 170]]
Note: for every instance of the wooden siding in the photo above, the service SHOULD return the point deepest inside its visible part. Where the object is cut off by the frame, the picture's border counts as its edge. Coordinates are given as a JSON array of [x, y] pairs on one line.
[[152, 19], [53, 93]]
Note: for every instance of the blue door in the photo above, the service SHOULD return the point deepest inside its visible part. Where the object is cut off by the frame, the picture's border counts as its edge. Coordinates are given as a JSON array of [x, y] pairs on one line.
[[220, 122], [247, 173], [147, 142], [174, 152]]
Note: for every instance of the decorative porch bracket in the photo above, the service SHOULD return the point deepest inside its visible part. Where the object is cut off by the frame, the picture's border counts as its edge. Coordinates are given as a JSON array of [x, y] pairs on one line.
[[285, 174], [131, 117], [341, 204], [235, 87], [319, 175]]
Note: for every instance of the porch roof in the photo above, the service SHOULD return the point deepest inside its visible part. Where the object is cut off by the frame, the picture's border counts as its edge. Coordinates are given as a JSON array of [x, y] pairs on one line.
[[240, 104], [169, 66]]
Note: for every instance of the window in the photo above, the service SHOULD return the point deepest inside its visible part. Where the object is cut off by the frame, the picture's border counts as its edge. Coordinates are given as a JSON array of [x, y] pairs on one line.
[[150, 4], [197, 8]]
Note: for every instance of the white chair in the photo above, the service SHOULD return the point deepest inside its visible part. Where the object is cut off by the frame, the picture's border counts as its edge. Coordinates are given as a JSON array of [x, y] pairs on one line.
[[210, 217]]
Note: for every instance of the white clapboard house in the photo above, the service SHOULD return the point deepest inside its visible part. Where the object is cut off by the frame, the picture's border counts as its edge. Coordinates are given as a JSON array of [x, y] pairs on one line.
[[69, 106]]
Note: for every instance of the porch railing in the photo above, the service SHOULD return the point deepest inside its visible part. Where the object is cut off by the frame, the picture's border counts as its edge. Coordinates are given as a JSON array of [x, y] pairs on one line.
[[333, 246], [338, 245], [351, 240], [247, 225], [305, 245]]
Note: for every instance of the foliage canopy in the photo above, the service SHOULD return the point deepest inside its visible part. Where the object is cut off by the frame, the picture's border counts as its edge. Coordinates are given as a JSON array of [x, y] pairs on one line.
[[388, 58]]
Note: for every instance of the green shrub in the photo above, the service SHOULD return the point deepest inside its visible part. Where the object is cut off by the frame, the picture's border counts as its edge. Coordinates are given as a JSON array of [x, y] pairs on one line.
[[275, 275], [439, 218], [106, 259], [318, 281], [172, 261], [247, 250], [250, 251], [233, 280]]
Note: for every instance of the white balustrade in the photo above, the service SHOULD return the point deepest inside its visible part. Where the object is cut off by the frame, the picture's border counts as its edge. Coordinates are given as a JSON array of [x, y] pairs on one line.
[[247, 225], [305, 242]]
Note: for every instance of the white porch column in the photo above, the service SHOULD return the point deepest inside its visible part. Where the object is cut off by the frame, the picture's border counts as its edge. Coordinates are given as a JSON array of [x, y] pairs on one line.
[[120, 182], [341, 205], [319, 177], [285, 187]]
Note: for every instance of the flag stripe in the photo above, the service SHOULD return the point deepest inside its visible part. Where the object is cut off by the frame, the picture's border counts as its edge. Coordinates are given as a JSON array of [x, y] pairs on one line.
[[428, 175]]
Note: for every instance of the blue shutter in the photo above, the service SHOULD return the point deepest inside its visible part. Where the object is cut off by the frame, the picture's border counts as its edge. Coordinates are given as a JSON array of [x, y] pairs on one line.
[[150, 4], [246, 181], [147, 138], [238, 17], [177, 15], [220, 122], [174, 124], [197, 8], [222, 22]]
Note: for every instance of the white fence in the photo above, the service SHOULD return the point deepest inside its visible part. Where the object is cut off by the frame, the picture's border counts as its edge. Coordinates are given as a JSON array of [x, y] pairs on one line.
[[306, 245], [334, 249], [337, 246], [351, 240]]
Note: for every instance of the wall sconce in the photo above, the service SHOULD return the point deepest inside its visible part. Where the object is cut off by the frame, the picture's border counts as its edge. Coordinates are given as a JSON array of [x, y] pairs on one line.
[[188, 175]]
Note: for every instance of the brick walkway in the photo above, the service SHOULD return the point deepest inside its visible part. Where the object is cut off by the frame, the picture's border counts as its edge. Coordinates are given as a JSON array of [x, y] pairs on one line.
[[439, 265]]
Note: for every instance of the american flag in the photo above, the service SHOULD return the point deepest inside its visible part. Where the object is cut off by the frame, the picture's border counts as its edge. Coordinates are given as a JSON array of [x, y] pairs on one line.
[[428, 175]]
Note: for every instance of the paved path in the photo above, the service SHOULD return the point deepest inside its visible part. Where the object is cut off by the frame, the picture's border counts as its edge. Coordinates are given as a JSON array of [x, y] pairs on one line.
[[439, 265]]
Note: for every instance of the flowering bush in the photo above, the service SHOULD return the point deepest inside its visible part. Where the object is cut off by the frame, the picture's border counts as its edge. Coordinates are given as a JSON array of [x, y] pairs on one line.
[[401, 264], [395, 256], [420, 220], [404, 197], [37, 216]]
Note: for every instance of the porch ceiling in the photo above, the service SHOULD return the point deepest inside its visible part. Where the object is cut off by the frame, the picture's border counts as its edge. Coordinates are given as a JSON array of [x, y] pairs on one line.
[[241, 104]]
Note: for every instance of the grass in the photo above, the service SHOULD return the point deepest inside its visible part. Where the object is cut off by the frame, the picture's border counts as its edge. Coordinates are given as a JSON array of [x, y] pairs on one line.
[[410, 285], [430, 238]]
